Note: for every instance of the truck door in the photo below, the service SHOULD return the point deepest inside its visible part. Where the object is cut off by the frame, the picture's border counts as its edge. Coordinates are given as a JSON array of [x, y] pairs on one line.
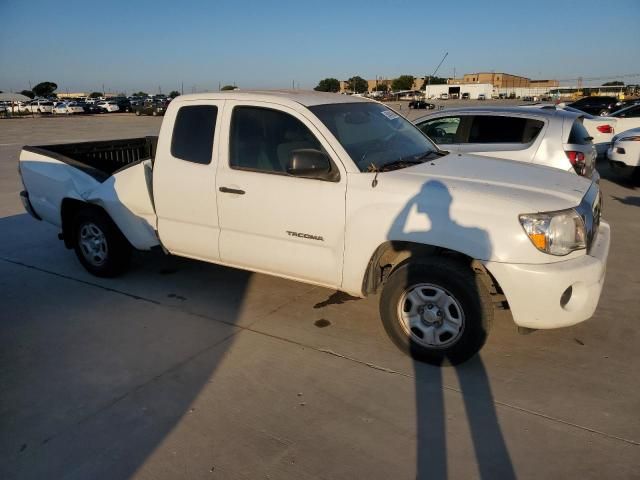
[[271, 221], [184, 179]]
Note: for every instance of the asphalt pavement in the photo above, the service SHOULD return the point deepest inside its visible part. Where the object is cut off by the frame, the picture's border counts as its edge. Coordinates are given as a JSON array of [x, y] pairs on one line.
[[181, 369]]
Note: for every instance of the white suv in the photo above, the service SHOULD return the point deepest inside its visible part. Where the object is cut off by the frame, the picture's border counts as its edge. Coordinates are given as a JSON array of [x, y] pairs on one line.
[[550, 137]]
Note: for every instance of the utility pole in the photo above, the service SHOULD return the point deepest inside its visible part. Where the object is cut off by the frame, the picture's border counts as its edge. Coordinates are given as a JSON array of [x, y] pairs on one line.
[[181, 88]]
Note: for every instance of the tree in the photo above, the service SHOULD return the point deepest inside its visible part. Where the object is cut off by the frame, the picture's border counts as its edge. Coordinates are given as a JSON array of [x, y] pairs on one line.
[[403, 82], [613, 84], [328, 85], [27, 93], [44, 89], [381, 87], [141, 94], [95, 94], [429, 80], [358, 84], [228, 87], [174, 94]]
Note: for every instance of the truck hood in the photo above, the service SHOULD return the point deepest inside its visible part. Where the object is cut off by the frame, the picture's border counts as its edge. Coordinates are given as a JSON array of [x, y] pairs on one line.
[[534, 187]]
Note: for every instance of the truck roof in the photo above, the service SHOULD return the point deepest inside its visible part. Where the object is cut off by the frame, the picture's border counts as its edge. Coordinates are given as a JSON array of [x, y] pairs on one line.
[[307, 98]]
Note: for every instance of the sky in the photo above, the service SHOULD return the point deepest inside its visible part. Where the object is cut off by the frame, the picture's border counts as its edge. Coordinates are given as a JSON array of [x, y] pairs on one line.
[[198, 45]]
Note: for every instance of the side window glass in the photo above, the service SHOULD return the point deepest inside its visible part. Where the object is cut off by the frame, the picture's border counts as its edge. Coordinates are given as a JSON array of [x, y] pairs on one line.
[[193, 132], [442, 130], [263, 139], [501, 129]]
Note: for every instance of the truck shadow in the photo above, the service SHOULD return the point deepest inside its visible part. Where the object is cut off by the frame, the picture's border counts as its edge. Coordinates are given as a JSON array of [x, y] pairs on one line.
[[96, 373], [434, 452]]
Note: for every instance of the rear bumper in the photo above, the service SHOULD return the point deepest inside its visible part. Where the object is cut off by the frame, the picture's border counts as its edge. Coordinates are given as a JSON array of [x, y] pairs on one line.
[[24, 197], [558, 294]]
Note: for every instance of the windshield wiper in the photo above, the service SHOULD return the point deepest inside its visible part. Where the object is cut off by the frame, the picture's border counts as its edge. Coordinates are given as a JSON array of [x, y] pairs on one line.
[[396, 164], [432, 153]]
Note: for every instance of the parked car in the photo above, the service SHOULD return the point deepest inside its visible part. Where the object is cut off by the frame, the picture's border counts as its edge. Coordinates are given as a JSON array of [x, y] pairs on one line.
[[594, 105], [620, 105], [91, 108], [150, 108], [341, 192], [624, 153], [40, 106], [482, 96], [601, 129], [124, 104], [421, 105], [444, 96], [550, 137], [465, 96], [67, 108], [108, 106]]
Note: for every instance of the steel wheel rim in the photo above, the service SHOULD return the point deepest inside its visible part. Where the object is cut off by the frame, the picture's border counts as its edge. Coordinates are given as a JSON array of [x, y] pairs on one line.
[[431, 316], [93, 244]]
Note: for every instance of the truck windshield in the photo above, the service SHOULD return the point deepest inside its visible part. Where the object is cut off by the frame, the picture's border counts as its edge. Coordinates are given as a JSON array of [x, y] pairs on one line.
[[374, 136]]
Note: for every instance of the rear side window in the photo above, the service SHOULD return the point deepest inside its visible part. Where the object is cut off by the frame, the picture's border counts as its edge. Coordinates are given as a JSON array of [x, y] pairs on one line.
[[193, 131], [501, 129], [579, 134]]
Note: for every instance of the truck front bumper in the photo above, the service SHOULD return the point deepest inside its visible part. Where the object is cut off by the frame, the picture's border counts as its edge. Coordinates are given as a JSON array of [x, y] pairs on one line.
[[557, 294]]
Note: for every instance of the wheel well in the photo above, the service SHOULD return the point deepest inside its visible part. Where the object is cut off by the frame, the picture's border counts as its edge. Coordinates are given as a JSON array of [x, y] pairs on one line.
[[390, 255], [68, 210]]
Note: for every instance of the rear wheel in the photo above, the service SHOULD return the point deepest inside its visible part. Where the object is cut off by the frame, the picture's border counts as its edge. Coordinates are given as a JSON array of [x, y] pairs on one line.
[[435, 311], [99, 244]]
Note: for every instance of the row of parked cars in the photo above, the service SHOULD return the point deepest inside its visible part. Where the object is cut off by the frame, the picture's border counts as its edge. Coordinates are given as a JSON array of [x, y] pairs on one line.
[[558, 136], [138, 105]]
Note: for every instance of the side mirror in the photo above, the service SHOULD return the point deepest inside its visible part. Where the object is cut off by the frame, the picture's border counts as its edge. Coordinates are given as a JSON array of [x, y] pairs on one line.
[[310, 163]]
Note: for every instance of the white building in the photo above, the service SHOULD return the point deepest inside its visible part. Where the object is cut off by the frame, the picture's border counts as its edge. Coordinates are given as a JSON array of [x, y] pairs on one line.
[[473, 89]]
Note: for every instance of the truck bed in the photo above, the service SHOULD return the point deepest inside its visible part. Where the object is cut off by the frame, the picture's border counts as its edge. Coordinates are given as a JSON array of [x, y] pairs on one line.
[[101, 159]]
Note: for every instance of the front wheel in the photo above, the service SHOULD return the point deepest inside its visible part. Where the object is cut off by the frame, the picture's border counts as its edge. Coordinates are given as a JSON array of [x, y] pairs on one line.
[[436, 311], [99, 245]]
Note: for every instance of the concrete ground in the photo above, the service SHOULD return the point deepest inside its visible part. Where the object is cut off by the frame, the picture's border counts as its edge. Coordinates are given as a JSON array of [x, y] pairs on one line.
[[181, 369]]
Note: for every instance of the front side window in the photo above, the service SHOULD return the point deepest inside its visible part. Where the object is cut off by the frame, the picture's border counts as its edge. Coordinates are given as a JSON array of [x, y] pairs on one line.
[[442, 130], [373, 135], [263, 139], [501, 129], [193, 132]]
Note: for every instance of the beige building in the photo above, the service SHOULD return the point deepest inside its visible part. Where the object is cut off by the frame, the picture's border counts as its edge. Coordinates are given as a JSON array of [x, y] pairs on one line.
[[503, 80]]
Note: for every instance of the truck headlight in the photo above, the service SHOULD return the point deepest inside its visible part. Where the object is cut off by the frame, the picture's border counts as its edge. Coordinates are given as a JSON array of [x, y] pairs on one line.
[[556, 233]]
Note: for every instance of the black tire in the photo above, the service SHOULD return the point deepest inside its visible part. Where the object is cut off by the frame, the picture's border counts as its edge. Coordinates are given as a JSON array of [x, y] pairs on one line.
[[115, 252], [459, 282]]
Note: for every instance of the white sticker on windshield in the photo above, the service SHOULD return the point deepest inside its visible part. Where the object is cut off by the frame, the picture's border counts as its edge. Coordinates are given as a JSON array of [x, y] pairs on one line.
[[391, 115]]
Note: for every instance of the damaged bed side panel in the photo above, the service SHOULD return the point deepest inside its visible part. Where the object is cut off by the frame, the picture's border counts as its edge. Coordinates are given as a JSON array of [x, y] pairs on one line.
[[127, 198], [126, 195]]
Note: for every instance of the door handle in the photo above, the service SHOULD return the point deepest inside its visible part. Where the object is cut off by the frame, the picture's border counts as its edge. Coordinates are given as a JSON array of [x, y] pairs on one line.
[[231, 190]]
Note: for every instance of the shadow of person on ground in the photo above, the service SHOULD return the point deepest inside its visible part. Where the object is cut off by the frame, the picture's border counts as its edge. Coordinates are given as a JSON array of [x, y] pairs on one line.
[[432, 205]]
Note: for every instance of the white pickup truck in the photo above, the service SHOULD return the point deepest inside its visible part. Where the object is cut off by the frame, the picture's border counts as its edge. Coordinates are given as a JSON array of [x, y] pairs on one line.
[[341, 192]]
